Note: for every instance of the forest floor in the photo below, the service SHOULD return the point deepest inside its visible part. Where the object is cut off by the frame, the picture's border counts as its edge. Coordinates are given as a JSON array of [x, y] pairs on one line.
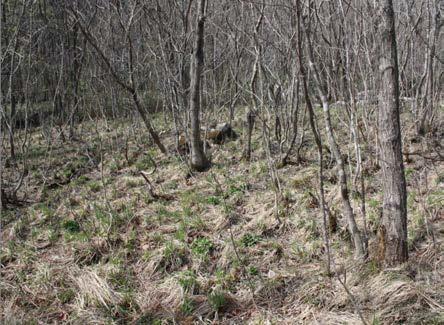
[[92, 244]]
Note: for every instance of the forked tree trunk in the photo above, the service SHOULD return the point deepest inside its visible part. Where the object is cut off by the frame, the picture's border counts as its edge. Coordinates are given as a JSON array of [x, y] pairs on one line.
[[392, 233], [199, 161]]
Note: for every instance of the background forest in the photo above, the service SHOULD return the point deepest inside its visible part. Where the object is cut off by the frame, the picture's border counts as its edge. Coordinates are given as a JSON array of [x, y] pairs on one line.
[[222, 162]]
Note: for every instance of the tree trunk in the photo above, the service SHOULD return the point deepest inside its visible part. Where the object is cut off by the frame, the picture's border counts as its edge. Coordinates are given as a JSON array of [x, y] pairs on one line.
[[360, 252], [392, 233], [154, 135], [251, 112], [317, 137], [199, 161]]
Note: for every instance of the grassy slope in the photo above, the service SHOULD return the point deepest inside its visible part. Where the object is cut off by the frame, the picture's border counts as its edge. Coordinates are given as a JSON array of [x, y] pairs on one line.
[[95, 247]]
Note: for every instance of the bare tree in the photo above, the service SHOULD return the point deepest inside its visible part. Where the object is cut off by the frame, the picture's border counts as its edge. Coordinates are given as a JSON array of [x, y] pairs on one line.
[[199, 161], [127, 26], [352, 226], [314, 129], [392, 232]]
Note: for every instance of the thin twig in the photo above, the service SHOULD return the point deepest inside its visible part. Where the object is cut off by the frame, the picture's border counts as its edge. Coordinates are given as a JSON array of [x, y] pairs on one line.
[[350, 295]]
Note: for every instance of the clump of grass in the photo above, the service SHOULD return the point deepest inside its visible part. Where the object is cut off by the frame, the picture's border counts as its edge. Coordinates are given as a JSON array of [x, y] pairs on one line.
[[95, 289], [252, 270], [71, 226], [213, 200], [201, 246], [187, 306], [94, 186], [114, 166], [249, 239], [173, 257], [121, 280], [65, 295], [217, 300], [187, 281], [144, 162], [80, 180], [44, 208], [236, 185]]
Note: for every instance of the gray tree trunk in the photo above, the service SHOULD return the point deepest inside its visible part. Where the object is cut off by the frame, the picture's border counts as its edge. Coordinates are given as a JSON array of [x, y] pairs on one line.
[[199, 161], [392, 233]]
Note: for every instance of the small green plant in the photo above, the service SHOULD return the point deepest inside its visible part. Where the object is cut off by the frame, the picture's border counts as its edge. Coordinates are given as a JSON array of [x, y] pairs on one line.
[[144, 162], [375, 320], [213, 200], [217, 300], [201, 246], [71, 226], [248, 240], [222, 278], [158, 238], [131, 241], [171, 185], [300, 251], [94, 186], [187, 306], [65, 296], [236, 185], [163, 214], [187, 280], [45, 209], [187, 211], [301, 223], [126, 212], [121, 280], [80, 180], [180, 232], [373, 203], [263, 168], [148, 318], [173, 257], [232, 189], [68, 173], [252, 270], [312, 228], [371, 268], [418, 219], [411, 200], [114, 166]]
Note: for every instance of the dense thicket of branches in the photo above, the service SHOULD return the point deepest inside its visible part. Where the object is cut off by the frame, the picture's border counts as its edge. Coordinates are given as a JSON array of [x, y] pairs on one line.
[[65, 61], [47, 58]]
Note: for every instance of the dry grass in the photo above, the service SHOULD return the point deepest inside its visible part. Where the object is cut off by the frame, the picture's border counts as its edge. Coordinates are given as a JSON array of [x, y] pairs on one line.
[[98, 249]]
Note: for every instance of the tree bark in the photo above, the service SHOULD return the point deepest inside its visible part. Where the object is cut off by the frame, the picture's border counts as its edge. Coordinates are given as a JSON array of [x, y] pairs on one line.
[[392, 233], [199, 161]]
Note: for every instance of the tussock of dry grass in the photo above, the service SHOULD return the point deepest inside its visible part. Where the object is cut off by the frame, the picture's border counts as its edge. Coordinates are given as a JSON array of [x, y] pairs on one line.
[[93, 289]]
